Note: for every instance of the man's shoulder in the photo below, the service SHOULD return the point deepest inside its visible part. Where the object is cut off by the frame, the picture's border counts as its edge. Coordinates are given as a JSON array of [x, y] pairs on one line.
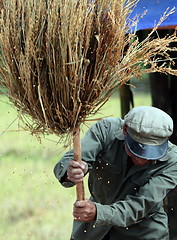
[[112, 128], [112, 122], [106, 129]]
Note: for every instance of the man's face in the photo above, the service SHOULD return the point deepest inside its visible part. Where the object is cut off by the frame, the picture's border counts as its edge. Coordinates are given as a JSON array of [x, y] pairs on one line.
[[136, 160]]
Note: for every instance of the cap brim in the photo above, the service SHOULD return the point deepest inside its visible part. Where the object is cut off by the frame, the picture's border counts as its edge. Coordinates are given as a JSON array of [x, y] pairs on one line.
[[150, 152]]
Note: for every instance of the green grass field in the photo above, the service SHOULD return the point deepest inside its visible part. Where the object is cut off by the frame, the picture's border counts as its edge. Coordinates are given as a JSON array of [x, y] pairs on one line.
[[33, 205]]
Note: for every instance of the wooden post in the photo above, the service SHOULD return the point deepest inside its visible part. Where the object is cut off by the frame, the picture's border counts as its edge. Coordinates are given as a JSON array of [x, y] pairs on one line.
[[126, 99], [77, 157]]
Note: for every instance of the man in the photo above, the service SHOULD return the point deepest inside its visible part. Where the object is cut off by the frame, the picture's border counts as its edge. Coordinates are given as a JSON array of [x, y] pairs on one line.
[[132, 166]]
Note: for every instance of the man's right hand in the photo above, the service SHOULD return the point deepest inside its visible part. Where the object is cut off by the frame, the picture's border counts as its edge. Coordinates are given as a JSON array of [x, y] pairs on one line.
[[76, 171]]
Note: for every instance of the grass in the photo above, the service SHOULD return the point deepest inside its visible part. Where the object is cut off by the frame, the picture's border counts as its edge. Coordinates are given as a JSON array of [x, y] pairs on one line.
[[33, 205]]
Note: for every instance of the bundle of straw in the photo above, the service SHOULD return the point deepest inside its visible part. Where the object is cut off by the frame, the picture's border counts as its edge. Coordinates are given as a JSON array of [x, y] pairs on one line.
[[62, 60]]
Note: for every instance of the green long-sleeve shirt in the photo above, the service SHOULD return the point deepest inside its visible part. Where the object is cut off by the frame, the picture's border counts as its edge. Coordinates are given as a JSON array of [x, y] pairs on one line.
[[129, 200]]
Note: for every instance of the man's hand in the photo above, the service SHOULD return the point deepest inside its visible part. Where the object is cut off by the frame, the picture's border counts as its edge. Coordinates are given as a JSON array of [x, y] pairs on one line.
[[76, 171], [84, 211]]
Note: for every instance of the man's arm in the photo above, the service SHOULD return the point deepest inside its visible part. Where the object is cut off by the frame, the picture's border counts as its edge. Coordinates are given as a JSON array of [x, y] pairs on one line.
[[91, 144], [134, 208]]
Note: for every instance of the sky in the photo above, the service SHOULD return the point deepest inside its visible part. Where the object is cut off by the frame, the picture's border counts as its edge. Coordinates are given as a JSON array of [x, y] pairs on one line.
[[155, 9]]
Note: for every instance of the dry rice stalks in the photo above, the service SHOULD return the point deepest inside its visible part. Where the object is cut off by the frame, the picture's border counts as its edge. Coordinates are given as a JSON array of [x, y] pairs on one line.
[[61, 59]]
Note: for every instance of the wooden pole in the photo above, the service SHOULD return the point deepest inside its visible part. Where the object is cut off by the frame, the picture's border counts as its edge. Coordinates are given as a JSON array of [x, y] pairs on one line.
[[77, 157], [126, 99]]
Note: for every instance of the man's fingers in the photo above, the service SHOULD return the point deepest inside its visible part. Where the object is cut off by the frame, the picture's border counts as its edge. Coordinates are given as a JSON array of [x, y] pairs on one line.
[[80, 209], [75, 180], [80, 204], [84, 211], [75, 174], [76, 171], [84, 166], [75, 168], [74, 164]]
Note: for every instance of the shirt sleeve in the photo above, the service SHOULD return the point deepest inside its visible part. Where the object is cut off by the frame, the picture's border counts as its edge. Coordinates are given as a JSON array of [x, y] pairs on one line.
[[135, 207]]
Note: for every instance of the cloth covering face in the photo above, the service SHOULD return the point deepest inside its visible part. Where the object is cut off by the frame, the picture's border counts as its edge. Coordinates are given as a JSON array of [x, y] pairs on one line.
[[129, 200]]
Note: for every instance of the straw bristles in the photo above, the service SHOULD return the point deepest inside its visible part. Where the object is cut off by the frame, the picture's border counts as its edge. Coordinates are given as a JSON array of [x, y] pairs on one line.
[[62, 59]]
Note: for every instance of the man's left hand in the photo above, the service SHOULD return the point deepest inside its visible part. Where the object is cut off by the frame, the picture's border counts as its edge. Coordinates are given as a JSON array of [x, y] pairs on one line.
[[84, 211]]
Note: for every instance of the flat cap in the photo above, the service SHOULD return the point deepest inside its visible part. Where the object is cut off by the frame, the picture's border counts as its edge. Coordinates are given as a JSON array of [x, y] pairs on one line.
[[148, 131]]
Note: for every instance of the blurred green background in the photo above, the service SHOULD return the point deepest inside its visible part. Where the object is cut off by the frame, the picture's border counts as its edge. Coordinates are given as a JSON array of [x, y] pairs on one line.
[[33, 205]]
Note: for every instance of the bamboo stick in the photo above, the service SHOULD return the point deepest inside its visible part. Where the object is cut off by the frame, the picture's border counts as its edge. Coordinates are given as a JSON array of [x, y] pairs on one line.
[[77, 157]]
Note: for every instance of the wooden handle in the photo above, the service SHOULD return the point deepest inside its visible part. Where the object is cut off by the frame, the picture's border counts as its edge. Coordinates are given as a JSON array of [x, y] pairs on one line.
[[77, 157]]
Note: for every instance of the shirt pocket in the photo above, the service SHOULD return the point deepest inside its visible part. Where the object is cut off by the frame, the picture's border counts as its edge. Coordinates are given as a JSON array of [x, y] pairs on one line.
[[112, 158], [109, 163]]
